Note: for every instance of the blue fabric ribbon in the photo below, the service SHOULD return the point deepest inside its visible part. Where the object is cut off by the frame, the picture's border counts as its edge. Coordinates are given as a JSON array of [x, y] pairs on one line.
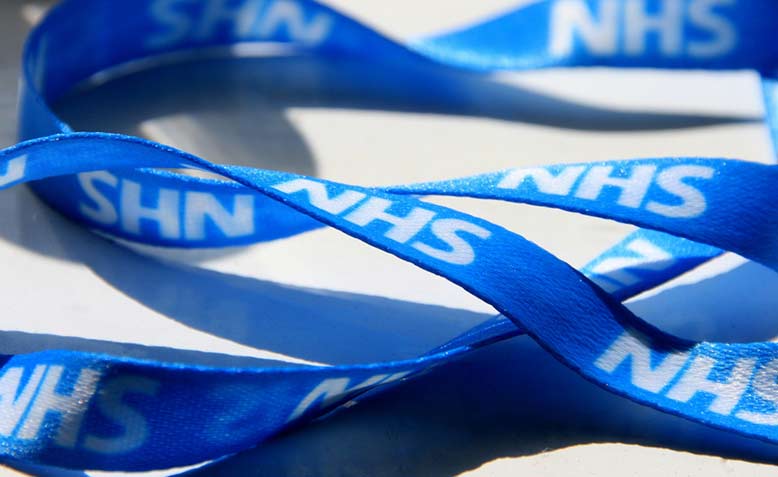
[[87, 410]]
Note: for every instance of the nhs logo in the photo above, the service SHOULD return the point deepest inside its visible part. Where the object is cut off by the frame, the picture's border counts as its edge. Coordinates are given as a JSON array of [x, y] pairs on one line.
[[451, 237], [14, 172], [184, 21], [173, 214], [50, 404], [727, 384], [697, 29]]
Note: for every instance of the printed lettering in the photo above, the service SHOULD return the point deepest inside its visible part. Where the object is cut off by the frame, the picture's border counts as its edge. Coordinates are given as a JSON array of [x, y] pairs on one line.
[[598, 30], [613, 273], [13, 401], [164, 213], [633, 188], [330, 391], [199, 208], [318, 196], [545, 181], [671, 180], [629, 347], [765, 385], [110, 402], [696, 379], [25, 405], [667, 24], [633, 184], [183, 21], [403, 227], [14, 171], [69, 406], [102, 210], [447, 230]]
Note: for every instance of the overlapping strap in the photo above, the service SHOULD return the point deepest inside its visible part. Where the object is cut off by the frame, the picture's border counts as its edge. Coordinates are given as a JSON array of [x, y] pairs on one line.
[[86, 410]]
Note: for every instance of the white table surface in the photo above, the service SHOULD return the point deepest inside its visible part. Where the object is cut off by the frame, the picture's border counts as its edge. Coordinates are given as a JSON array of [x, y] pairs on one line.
[[509, 409]]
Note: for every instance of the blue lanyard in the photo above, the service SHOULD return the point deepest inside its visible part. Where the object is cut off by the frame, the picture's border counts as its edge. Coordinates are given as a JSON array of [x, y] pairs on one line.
[[88, 410]]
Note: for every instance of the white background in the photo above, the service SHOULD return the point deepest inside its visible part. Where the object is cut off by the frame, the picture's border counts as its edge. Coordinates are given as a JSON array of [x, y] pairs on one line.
[[507, 410]]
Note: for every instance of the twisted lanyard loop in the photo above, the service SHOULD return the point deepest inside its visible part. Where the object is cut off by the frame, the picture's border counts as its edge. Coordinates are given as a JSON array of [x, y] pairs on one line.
[[122, 413]]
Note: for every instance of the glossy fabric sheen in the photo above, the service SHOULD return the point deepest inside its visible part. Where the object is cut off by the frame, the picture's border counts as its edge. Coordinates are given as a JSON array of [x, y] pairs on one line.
[[91, 411]]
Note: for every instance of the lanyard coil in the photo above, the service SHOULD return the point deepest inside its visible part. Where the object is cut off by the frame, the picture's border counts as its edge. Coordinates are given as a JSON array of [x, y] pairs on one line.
[[88, 410]]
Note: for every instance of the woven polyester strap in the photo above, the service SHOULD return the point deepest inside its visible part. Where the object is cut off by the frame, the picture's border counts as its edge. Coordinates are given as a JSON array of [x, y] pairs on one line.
[[94, 411]]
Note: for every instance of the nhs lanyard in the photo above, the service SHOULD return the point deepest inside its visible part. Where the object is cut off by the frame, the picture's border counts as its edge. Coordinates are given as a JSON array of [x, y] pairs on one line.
[[95, 411]]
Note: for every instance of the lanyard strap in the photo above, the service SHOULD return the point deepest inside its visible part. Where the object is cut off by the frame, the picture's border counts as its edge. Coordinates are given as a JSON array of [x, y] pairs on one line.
[[87, 410]]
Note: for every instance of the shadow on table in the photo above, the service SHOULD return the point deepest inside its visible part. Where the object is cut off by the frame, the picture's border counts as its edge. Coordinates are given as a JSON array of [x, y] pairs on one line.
[[234, 110], [513, 399], [510, 399], [239, 103]]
